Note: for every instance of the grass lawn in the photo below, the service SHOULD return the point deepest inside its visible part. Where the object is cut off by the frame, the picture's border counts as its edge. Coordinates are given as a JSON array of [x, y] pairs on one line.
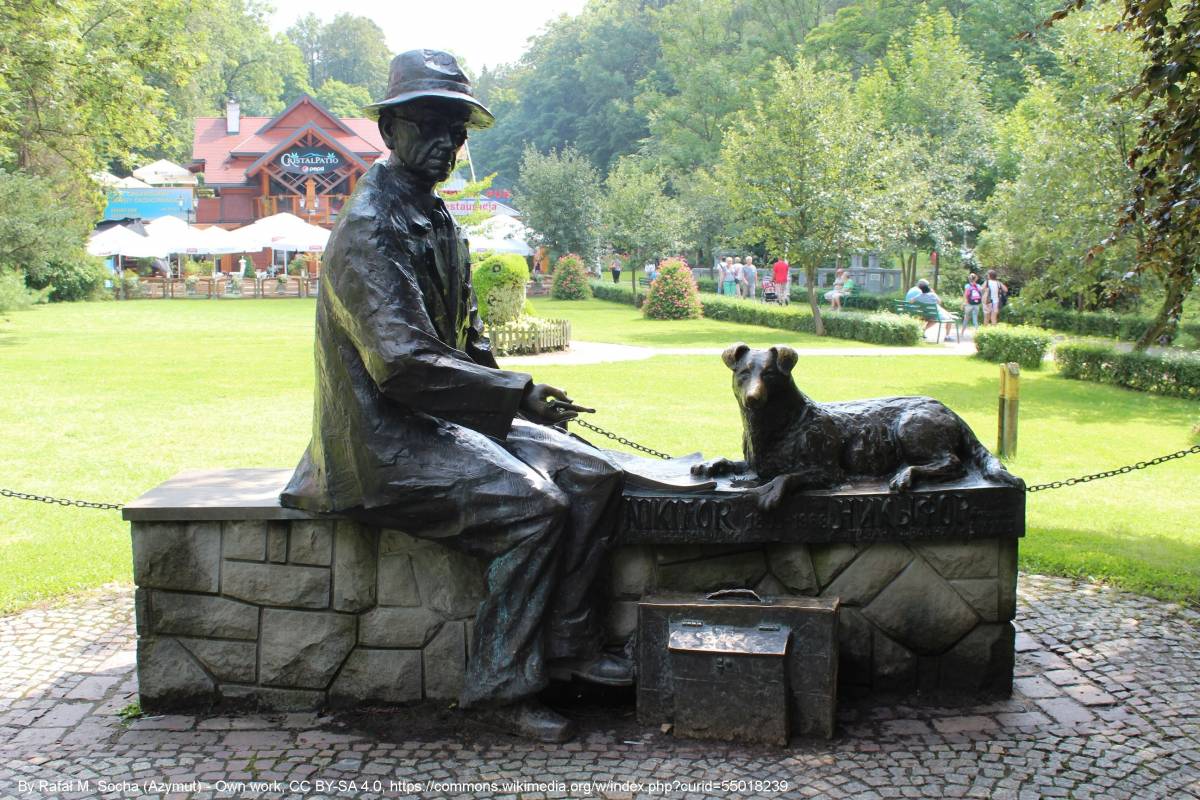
[[106, 400], [616, 323]]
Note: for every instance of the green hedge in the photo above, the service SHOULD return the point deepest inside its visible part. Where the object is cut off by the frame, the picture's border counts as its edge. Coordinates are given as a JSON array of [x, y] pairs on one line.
[[1126, 327], [876, 328], [799, 294], [1023, 344], [1170, 374], [616, 293]]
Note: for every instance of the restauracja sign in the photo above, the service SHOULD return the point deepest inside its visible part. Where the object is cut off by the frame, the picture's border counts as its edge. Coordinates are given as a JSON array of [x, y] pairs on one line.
[[309, 162]]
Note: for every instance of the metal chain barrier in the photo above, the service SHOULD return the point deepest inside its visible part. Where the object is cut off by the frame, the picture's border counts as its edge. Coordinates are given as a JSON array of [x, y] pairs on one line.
[[62, 501], [1040, 487], [1110, 473], [621, 439]]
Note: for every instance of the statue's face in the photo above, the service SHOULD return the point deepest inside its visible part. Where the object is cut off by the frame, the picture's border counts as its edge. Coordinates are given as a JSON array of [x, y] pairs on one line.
[[425, 135]]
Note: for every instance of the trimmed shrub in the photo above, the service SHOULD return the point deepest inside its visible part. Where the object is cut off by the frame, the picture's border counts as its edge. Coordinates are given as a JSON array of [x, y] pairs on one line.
[[877, 328], [81, 279], [1023, 344], [616, 293], [1172, 374], [570, 279], [499, 282], [672, 294], [1126, 327]]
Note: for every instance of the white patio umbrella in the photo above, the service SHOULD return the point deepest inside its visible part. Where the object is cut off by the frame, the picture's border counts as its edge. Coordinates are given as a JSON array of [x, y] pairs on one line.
[[130, 183], [217, 241], [120, 241], [165, 173], [282, 232], [497, 245]]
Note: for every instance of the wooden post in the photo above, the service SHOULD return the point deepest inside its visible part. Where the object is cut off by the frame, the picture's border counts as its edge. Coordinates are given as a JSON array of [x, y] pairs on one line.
[[1010, 398]]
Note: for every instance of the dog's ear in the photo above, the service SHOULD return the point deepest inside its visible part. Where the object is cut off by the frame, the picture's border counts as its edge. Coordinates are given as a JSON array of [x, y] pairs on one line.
[[734, 353], [785, 358]]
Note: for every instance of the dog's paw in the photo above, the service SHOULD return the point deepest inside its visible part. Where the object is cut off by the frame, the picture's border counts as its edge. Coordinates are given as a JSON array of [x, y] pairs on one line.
[[902, 481], [769, 496], [714, 468]]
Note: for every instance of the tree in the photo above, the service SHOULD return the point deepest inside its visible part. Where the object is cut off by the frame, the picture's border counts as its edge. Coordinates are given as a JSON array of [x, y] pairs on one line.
[[306, 35], [343, 99], [637, 216], [354, 50], [74, 94], [575, 84], [930, 86], [815, 174], [559, 193], [1165, 204], [1069, 144]]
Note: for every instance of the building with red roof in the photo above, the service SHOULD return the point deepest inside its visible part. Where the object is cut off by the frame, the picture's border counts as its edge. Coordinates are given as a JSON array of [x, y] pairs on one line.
[[304, 161]]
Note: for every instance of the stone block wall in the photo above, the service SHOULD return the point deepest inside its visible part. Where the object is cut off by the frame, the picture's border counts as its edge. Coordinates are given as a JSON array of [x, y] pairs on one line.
[[295, 614], [933, 617]]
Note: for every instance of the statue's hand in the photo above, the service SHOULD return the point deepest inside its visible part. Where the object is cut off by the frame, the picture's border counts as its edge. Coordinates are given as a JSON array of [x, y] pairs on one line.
[[549, 406], [718, 467]]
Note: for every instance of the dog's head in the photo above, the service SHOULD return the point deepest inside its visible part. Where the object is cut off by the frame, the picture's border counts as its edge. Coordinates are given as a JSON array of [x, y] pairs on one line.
[[760, 375]]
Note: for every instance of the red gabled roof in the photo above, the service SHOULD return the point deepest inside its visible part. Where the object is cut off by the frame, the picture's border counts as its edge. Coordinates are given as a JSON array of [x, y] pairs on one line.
[[226, 158]]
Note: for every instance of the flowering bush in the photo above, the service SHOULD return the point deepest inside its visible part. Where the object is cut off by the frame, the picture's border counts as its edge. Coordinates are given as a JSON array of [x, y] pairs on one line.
[[673, 294], [570, 279]]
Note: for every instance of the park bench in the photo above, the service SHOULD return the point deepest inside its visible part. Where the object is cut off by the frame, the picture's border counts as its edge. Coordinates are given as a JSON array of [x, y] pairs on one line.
[[240, 601], [929, 313]]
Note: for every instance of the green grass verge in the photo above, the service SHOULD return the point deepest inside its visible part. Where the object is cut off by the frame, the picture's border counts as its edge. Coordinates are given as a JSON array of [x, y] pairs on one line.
[[617, 323], [107, 400]]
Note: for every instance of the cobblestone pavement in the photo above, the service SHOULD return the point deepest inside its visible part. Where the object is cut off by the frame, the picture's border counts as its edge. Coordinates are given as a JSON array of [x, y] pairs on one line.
[[1106, 705]]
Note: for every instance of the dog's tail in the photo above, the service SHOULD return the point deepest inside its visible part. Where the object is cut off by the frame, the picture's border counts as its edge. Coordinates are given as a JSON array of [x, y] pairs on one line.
[[989, 466]]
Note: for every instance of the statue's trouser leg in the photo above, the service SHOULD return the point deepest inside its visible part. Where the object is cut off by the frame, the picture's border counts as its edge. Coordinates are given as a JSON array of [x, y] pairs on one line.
[[574, 623], [519, 542]]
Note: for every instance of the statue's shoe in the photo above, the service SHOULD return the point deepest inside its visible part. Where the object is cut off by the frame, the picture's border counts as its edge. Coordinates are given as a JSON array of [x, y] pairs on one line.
[[606, 669], [528, 719]]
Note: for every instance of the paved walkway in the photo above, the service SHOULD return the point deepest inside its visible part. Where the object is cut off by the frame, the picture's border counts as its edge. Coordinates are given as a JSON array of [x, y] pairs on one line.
[[598, 352], [1107, 704]]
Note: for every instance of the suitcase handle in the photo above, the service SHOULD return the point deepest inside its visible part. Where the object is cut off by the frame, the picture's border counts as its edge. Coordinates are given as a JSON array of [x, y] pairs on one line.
[[734, 594]]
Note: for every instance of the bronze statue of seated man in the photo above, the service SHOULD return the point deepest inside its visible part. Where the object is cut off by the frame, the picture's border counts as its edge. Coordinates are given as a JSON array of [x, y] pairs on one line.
[[417, 429]]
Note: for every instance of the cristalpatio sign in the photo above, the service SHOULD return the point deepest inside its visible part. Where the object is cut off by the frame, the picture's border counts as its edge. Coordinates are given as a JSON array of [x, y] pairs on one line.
[[310, 162]]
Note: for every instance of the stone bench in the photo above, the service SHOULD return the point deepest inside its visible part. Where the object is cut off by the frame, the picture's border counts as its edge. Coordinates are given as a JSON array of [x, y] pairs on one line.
[[241, 601]]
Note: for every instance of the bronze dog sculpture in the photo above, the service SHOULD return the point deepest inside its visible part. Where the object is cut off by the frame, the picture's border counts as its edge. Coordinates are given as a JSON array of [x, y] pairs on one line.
[[792, 442]]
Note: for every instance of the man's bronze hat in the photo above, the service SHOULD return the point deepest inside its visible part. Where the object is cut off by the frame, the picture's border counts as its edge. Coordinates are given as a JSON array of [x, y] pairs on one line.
[[430, 73]]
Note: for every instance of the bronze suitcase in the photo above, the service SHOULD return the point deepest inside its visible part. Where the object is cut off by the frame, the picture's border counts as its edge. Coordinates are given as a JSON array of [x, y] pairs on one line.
[[730, 682], [810, 664]]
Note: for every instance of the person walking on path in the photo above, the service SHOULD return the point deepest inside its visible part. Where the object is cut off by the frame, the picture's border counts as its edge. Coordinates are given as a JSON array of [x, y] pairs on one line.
[[729, 283], [615, 269], [750, 276], [972, 301], [994, 296], [781, 276]]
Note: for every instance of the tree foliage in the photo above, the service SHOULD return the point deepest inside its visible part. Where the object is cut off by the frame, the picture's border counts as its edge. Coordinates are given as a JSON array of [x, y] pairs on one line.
[[1068, 143], [1165, 205], [637, 216], [814, 174], [559, 193], [343, 99]]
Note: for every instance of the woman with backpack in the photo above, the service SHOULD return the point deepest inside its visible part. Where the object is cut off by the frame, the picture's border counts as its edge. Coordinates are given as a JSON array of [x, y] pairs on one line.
[[995, 294], [972, 300]]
